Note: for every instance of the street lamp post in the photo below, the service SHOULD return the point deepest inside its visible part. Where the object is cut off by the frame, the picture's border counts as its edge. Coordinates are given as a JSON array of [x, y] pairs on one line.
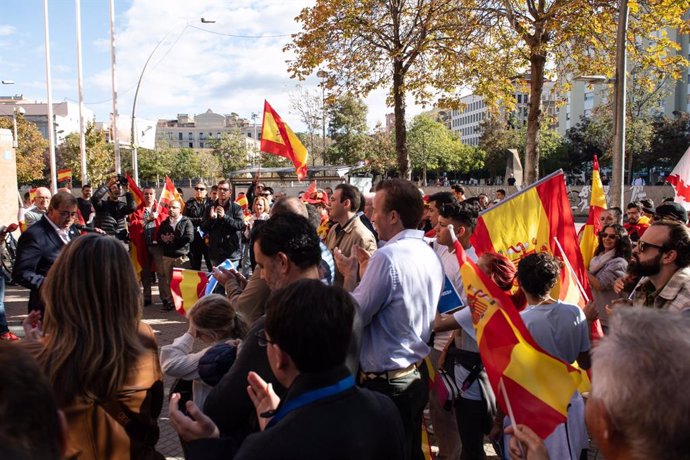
[[15, 139], [133, 133]]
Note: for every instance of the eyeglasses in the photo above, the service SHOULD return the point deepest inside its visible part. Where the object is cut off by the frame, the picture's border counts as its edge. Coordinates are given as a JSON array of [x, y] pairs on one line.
[[643, 245], [66, 214], [610, 236], [263, 340], [199, 189]]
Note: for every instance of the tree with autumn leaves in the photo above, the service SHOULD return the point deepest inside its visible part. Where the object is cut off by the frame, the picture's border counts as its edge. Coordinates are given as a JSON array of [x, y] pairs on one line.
[[430, 47]]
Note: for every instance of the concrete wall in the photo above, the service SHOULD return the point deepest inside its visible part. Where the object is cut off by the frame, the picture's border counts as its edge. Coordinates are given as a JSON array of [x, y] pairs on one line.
[[9, 203]]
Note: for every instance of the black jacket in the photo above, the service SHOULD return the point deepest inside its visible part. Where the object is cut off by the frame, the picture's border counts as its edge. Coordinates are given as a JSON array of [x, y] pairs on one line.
[[110, 215], [196, 210], [37, 250], [223, 233], [354, 424], [184, 234]]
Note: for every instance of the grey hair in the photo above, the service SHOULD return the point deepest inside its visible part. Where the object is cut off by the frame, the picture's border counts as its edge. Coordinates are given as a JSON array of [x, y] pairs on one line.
[[639, 371]]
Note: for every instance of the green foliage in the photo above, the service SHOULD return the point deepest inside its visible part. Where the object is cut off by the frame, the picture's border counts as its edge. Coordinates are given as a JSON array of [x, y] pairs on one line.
[[154, 165], [100, 156], [231, 151], [347, 128], [31, 151], [380, 151]]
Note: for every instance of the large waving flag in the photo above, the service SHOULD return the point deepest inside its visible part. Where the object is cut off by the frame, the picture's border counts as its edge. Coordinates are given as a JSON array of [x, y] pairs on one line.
[[278, 139], [187, 286], [536, 219], [680, 179], [597, 205], [64, 176], [538, 385]]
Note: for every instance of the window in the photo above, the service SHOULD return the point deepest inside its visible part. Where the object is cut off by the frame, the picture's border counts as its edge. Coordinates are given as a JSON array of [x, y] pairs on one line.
[[201, 145], [179, 136], [191, 145], [191, 136]]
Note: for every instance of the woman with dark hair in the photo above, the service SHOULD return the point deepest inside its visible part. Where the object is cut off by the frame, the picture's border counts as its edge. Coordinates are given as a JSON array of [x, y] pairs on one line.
[[100, 359], [609, 263]]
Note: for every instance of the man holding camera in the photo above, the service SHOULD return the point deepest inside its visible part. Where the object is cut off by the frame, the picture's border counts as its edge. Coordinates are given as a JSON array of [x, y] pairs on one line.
[[223, 222], [110, 210]]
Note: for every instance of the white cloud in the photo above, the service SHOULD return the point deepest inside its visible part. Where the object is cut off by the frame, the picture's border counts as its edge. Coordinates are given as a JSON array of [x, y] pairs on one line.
[[199, 66], [6, 30]]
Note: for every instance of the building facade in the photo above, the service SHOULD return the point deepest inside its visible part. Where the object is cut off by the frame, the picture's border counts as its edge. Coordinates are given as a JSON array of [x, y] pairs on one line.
[[199, 131]]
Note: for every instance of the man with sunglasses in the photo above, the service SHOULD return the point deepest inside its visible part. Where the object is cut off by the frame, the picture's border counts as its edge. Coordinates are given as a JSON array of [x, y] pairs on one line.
[[40, 245], [195, 209], [662, 258], [223, 222]]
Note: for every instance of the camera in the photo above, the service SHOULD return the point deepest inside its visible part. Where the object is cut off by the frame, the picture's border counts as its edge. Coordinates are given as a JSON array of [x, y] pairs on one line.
[[122, 180]]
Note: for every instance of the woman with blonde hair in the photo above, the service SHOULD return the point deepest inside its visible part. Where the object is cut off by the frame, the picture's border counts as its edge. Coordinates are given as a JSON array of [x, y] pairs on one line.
[[99, 358], [213, 321]]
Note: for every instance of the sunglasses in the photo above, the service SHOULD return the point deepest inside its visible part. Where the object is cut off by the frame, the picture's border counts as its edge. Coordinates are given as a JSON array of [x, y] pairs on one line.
[[643, 245], [199, 189]]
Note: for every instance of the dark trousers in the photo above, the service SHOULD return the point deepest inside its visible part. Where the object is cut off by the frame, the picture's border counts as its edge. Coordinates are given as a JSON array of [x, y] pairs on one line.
[[470, 414], [410, 394], [197, 251]]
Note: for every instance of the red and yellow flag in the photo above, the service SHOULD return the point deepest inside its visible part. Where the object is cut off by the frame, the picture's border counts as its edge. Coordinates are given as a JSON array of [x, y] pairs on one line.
[[278, 139], [597, 205], [538, 385], [136, 191], [64, 175], [242, 201], [187, 286], [170, 193], [537, 219]]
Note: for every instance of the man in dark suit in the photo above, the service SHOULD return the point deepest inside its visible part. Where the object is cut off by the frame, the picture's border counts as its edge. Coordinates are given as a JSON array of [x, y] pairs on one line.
[[40, 245], [222, 222]]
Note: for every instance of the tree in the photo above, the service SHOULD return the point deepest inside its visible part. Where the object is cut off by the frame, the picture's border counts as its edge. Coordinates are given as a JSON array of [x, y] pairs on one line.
[[309, 105], [347, 128], [190, 164], [155, 164], [671, 139], [495, 140], [231, 150], [380, 151], [100, 160], [409, 46], [30, 150], [572, 37]]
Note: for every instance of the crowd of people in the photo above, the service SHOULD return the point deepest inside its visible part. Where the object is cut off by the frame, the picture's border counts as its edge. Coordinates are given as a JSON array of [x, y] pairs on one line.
[[327, 311]]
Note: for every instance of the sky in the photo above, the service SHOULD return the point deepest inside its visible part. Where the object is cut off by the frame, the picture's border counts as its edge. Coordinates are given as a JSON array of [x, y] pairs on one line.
[[229, 66]]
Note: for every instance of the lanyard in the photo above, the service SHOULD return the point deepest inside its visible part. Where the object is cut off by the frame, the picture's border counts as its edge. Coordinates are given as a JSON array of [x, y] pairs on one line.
[[312, 396]]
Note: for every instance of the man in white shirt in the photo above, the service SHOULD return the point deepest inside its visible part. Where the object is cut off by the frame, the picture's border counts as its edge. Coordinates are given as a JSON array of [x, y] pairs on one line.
[[40, 207], [397, 299]]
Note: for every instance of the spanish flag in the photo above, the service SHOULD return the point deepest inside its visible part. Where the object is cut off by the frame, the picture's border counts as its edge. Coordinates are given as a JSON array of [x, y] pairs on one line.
[[278, 139], [597, 204], [538, 385], [242, 201], [137, 194], [187, 286], [170, 193], [64, 175], [536, 219]]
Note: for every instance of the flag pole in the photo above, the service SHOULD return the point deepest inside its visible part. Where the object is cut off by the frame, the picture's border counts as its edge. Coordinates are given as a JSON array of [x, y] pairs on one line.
[[511, 415], [571, 270], [524, 190]]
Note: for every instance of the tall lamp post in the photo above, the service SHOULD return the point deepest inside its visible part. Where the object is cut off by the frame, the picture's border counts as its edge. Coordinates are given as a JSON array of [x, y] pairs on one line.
[[15, 139], [134, 138], [620, 80]]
